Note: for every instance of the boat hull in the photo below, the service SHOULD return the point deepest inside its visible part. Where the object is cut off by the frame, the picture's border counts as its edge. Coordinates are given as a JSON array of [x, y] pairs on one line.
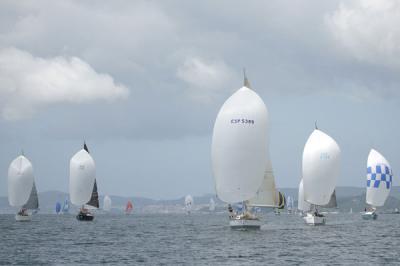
[[245, 224], [85, 217], [369, 216], [23, 218], [311, 219]]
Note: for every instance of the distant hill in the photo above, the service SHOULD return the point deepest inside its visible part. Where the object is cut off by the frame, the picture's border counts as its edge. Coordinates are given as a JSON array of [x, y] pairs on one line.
[[347, 197]]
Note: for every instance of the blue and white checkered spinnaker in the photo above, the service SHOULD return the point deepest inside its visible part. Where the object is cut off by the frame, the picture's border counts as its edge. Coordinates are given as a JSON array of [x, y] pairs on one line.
[[379, 179], [380, 175]]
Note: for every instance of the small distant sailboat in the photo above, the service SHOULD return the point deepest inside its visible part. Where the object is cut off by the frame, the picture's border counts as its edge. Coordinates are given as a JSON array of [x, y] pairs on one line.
[[58, 207], [212, 205], [82, 183], [290, 204], [129, 207], [107, 203], [320, 167], [379, 183], [351, 210], [65, 207], [22, 191], [188, 203], [240, 160]]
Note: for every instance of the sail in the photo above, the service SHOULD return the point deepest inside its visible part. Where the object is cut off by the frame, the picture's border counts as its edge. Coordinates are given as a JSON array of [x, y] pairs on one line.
[[332, 202], [58, 207], [65, 207], [188, 202], [82, 177], [266, 195], [212, 205], [239, 146], [281, 200], [289, 203], [302, 205], [107, 203], [379, 179], [33, 201], [94, 199], [20, 181], [129, 207], [320, 167]]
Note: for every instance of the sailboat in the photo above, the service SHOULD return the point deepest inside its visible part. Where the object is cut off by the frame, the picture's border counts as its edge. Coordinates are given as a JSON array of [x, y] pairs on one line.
[[107, 203], [82, 183], [379, 183], [320, 167], [212, 205], [129, 207], [22, 191], [188, 203], [290, 204], [58, 207], [65, 208], [240, 158]]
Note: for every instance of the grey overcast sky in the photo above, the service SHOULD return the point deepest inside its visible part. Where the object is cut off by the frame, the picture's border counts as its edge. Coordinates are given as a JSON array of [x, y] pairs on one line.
[[142, 82]]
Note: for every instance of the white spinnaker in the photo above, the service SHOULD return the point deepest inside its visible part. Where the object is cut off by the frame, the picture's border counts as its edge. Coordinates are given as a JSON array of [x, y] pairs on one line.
[[377, 189], [188, 202], [267, 194], [107, 203], [239, 146], [212, 205], [82, 174], [302, 205], [20, 181], [321, 167]]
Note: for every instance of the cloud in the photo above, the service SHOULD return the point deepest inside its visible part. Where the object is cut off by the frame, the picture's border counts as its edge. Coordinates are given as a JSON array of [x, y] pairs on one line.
[[205, 78], [368, 30], [28, 83]]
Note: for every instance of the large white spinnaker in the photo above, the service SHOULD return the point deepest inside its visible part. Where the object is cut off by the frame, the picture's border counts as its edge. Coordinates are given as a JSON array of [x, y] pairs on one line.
[[107, 203], [379, 179], [239, 146], [20, 181], [82, 177], [320, 167]]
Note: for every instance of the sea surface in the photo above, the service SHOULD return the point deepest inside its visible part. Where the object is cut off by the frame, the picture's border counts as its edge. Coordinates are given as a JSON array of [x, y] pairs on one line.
[[198, 239]]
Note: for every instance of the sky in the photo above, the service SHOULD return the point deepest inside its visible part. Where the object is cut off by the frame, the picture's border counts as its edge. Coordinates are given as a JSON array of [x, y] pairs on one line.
[[142, 83]]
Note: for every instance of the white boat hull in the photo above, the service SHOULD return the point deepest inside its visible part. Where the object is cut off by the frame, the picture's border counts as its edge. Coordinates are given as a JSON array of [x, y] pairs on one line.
[[245, 224], [311, 219], [23, 218], [369, 216]]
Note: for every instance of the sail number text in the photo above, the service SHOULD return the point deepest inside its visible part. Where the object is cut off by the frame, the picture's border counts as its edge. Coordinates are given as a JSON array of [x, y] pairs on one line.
[[242, 121]]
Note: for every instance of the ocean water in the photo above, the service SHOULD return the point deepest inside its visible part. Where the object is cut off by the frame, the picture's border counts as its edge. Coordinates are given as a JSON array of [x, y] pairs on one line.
[[198, 239]]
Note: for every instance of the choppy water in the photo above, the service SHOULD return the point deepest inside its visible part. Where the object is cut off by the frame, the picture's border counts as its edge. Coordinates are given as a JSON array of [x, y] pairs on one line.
[[198, 240]]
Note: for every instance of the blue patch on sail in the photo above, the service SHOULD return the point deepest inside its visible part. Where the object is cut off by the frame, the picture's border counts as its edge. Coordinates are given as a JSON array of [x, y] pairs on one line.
[[375, 174]]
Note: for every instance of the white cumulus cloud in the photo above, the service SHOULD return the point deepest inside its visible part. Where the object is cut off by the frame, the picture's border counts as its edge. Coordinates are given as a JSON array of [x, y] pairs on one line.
[[205, 78], [28, 83], [369, 30]]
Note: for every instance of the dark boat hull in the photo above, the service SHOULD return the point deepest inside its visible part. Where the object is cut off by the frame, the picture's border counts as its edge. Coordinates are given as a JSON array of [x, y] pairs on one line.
[[84, 217]]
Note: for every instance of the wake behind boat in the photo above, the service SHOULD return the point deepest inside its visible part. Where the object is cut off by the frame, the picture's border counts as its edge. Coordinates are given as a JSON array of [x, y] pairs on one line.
[[82, 184]]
